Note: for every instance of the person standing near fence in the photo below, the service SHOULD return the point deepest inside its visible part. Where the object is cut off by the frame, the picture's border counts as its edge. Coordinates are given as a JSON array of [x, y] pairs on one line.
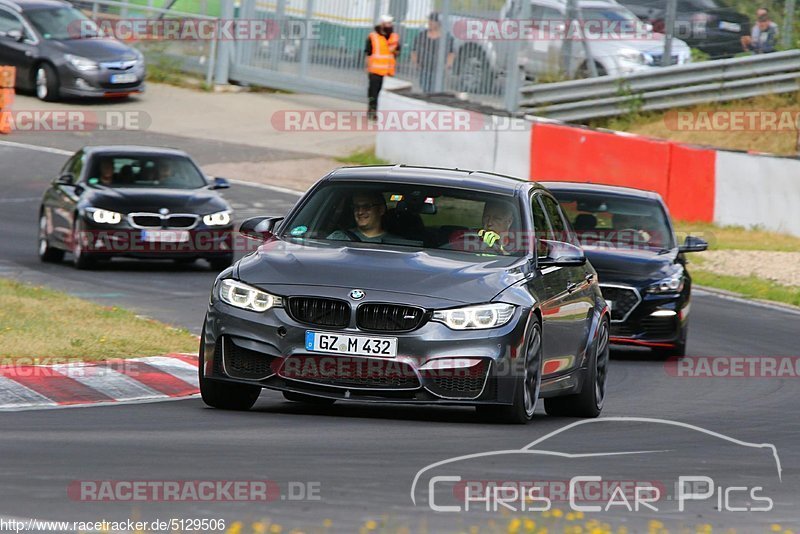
[[381, 51], [425, 52], [764, 35]]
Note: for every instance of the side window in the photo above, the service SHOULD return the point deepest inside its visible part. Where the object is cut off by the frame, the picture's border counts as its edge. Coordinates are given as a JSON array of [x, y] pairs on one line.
[[9, 22], [541, 226], [563, 231], [67, 166], [77, 165]]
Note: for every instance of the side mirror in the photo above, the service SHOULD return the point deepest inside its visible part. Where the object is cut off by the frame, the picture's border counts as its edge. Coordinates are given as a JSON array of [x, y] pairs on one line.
[[693, 244], [66, 179], [220, 183], [560, 254], [15, 35], [259, 228]]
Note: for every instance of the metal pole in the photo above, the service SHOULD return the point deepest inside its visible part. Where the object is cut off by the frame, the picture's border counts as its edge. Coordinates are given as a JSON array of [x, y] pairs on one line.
[[225, 48], [513, 72], [788, 25], [669, 29], [276, 45], [441, 53], [376, 12], [212, 59], [305, 44], [566, 49], [587, 50]]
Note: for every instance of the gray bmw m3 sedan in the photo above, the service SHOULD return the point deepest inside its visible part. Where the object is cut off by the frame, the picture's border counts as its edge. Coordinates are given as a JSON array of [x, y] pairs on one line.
[[399, 284]]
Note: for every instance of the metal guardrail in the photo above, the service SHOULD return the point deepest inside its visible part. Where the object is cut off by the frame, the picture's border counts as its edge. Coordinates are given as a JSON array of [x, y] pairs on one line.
[[664, 88]]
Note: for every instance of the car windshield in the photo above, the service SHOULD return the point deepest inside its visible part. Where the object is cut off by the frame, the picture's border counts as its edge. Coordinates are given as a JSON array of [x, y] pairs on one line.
[[613, 14], [409, 215], [621, 222], [61, 23], [163, 172]]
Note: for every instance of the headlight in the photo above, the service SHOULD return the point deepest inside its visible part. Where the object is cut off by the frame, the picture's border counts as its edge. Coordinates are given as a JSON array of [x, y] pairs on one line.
[[102, 216], [81, 63], [671, 284], [476, 317], [221, 218], [247, 297], [633, 56]]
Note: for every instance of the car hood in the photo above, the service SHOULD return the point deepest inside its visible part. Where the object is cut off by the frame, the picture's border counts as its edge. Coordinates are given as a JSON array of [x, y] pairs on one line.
[[127, 200], [449, 275], [653, 45], [630, 266], [96, 49]]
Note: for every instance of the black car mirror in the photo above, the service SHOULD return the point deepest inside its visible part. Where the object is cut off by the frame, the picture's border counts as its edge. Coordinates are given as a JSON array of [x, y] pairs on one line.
[[220, 183], [260, 228], [561, 254], [693, 244], [66, 179], [16, 35]]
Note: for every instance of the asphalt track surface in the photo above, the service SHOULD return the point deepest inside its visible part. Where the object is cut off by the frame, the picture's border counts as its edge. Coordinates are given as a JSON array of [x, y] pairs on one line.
[[363, 458]]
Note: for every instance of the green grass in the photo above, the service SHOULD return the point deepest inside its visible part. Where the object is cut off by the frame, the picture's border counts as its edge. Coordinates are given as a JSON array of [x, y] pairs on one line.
[[738, 237], [751, 287], [363, 157], [51, 326]]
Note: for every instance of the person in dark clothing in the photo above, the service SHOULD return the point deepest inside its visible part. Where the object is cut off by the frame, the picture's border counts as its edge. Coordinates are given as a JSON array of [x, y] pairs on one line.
[[425, 52], [764, 35], [381, 51]]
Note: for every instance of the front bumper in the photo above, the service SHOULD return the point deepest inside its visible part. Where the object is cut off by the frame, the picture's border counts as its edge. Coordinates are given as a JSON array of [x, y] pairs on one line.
[[654, 321], [121, 241], [268, 349], [92, 84]]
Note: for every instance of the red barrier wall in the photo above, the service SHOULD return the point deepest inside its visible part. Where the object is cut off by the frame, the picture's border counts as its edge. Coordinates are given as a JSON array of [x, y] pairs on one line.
[[692, 178], [683, 176]]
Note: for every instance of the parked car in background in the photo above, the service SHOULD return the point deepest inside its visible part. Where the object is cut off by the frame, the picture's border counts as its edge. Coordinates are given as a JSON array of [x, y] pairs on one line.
[[479, 62], [628, 237], [59, 52], [708, 25], [135, 202]]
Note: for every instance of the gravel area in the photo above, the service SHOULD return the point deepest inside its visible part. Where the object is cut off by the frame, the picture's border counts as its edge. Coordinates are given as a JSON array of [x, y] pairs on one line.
[[780, 267]]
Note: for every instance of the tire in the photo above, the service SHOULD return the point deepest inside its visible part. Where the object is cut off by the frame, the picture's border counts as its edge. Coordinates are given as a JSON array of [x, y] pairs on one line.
[[474, 73], [47, 253], [307, 399], [225, 395], [583, 70], [45, 82], [526, 394], [81, 259], [589, 402], [220, 263]]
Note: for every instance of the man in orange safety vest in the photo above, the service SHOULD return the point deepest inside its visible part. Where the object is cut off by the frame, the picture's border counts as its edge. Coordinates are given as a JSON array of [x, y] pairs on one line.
[[381, 51]]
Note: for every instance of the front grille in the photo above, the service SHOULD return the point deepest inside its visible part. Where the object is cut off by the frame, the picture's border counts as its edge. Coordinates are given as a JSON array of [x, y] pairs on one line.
[[181, 221], [457, 383], [389, 317], [245, 363], [150, 221], [217, 368], [659, 327], [350, 372], [319, 311], [622, 330], [657, 59], [624, 300]]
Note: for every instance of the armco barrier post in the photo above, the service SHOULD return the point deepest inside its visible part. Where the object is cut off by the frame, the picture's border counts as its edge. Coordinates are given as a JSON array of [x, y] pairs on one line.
[[7, 80]]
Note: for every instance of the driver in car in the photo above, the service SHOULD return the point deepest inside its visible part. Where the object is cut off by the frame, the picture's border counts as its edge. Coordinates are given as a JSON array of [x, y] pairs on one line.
[[495, 234], [368, 211]]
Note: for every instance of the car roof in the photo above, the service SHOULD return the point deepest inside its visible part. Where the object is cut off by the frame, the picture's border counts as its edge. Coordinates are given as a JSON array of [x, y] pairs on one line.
[[612, 190], [25, 5], [133, 150], [445, 177]]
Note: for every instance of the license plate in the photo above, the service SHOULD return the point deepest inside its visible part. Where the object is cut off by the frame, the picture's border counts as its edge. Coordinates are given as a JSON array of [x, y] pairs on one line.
[[128, 77], [610, 304], [165, 236], [383, 347], [730, 26]]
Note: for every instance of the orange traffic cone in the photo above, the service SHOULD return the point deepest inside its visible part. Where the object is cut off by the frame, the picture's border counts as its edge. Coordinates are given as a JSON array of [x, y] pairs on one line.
[[7, 77], [5, 122]]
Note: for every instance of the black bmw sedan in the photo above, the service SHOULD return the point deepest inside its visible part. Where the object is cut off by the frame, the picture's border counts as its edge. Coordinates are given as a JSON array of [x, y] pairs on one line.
[[411, 285], [628, 237], [59, 52], [136, 202]]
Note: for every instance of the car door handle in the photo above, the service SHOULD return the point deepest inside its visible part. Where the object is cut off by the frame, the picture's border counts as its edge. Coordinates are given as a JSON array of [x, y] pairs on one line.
[[571, 287], [589, 278]]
